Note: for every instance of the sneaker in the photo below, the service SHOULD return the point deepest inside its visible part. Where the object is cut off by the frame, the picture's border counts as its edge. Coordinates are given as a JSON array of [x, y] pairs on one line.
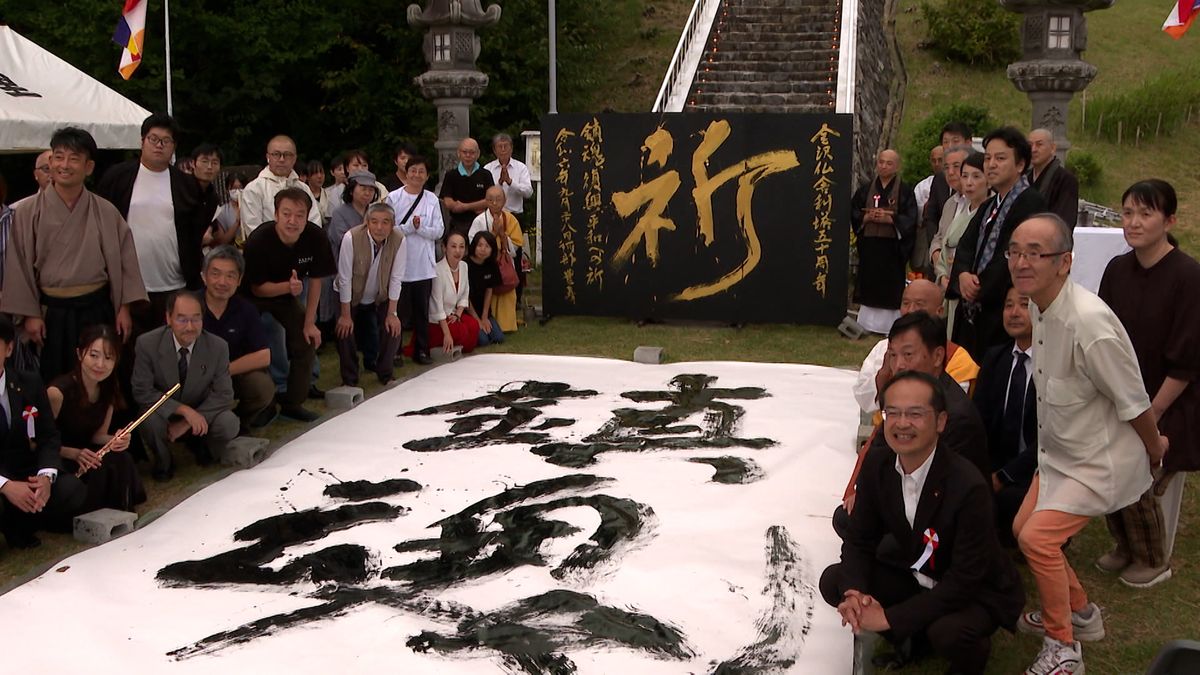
[[1058, 658], [1090, 629], [1114, 561], [298, 413], [1138, 575]]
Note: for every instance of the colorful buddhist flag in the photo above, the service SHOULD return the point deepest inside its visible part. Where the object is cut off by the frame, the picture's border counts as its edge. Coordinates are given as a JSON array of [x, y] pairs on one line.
[[130, 30], [1181, 17]]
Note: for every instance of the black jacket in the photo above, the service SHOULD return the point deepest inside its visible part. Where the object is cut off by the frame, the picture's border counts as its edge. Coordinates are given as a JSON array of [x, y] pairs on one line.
[[194, 210], [987, 330], [20, 457], [1059, 187], [991, 390], [965, 433], [968, 563]]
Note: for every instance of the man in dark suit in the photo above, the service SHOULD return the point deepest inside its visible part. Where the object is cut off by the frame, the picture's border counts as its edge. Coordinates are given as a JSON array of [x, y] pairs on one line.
[[953, 134], [917, 342], [36, 494], [1005, 396], [980, 274], [1057, 185], [944, 578], [183, 352]]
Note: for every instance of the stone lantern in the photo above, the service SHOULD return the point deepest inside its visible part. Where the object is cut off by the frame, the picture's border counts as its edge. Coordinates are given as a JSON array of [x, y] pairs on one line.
[[452, 81], [1053, 35]]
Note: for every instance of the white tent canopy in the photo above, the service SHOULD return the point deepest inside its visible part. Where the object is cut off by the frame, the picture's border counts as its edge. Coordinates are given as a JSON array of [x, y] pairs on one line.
[[40, 92]]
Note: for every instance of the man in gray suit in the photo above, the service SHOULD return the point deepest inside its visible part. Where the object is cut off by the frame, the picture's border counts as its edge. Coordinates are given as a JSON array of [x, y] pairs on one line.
[[182, 351]]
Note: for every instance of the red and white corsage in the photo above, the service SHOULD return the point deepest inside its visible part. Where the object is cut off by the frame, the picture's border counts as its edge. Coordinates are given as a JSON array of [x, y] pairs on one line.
[[30, 417]]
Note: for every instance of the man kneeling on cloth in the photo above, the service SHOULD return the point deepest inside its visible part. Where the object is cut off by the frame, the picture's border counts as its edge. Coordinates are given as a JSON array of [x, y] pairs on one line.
[[921, 563]]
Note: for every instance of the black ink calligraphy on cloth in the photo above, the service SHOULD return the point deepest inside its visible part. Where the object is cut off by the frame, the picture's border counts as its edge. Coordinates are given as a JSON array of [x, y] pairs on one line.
[[637, 429], [520, 407], [493, 536]]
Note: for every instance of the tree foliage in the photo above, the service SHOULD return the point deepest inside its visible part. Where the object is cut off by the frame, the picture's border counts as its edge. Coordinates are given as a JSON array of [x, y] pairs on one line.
[[915, 155], [974, 32], [333, 76]]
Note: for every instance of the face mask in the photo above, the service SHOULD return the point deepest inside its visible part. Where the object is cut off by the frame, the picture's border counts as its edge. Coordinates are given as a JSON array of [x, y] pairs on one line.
[[235, 194]]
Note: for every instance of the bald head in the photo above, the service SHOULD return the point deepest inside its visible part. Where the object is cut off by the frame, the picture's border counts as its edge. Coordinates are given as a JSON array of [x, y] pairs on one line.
[[468, 153], [922, 295], [887, 164], [41, 170], [1042, 148]]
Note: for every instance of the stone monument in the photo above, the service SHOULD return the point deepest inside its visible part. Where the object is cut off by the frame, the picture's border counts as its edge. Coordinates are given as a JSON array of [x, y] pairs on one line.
[[1053, 35], [452, 81]]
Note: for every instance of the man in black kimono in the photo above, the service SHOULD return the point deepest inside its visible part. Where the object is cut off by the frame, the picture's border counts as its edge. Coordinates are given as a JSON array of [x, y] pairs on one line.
[[884, 216], [1057, 185], [940, 578]]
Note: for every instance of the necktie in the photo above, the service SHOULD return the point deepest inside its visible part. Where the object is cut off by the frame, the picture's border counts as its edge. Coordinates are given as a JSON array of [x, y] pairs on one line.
[[183, 364], [1014, 407]]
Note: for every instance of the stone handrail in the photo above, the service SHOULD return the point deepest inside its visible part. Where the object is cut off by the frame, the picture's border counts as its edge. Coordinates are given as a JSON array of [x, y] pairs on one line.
[[672, 95]]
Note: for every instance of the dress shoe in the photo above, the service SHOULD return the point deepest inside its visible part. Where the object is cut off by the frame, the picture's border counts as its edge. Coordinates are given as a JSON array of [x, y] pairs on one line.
[[298, 413], [422, 360], [163, 475], [315, 393]]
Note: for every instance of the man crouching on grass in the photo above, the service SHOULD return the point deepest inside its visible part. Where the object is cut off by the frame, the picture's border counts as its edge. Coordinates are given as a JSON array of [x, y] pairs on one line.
[[941, 581]]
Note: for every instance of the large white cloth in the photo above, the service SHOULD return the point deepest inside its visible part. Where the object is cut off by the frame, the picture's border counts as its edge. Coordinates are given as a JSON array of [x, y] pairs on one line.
[[1095, 247], [152, 222], [422, 230], [521, 187], [258, 200], [1089, 387], [921, 192]]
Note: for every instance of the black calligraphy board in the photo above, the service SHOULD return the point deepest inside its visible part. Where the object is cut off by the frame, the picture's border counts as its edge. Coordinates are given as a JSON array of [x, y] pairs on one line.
[[739, 217]]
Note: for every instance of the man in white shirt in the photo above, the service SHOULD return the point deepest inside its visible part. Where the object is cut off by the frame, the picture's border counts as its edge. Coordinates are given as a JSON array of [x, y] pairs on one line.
[[368, 284], [419, 218], [258, 198], [921, 190], [1097, 436], [510, 174], [167, 212]]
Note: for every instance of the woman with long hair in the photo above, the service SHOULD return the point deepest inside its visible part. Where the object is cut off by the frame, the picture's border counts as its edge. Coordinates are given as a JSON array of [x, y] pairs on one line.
[[83, 402], [1152, 290], [449, 322], [484, 275]]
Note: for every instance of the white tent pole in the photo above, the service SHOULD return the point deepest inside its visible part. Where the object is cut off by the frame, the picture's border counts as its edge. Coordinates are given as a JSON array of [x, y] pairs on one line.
[[167, 42]]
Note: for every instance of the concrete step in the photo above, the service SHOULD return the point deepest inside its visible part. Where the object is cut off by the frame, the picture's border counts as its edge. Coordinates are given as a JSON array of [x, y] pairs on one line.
[[751, 87], [819, 107], [813, 72], [753, 99], [781, 43], [781, 56]]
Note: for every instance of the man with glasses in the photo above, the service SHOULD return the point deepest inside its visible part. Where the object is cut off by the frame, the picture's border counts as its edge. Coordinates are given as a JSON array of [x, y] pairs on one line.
[[1097, 436], [41, 170], [182, 352], [70, 260], [258, 197], [168, 214], [941, 580], [979, 277], [917, 341]]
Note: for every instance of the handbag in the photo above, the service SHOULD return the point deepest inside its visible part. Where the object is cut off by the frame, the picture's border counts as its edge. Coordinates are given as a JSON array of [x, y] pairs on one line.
[[508, 273]]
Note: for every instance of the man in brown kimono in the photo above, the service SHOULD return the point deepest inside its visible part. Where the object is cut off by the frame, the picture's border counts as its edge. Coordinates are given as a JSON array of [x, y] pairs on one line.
[[70, 261]]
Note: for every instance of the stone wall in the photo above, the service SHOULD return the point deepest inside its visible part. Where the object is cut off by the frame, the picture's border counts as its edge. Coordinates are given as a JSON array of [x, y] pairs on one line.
[[879, 84]]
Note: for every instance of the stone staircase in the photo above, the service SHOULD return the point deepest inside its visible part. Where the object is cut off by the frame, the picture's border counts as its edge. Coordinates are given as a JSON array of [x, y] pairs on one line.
[[769, 56]]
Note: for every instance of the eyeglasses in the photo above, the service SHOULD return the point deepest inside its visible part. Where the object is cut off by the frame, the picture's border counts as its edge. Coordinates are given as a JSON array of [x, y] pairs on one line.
[[1032, 256], [916, 415], [159, 141], [44, 168], [281, 155]]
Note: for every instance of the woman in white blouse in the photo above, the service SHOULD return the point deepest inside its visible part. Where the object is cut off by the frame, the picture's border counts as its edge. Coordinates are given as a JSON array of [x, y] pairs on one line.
[[449, 322]]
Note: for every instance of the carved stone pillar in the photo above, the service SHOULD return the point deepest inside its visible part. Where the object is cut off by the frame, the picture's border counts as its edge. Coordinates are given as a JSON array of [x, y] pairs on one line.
[[1053, 36], [452, 81]]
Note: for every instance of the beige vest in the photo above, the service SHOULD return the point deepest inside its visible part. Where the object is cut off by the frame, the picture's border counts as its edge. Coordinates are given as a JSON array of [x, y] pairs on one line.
[[361, 240]]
